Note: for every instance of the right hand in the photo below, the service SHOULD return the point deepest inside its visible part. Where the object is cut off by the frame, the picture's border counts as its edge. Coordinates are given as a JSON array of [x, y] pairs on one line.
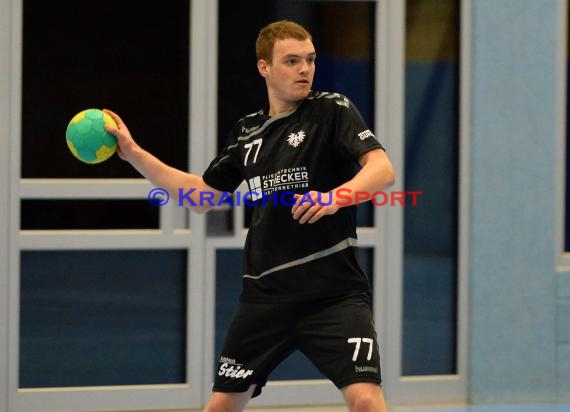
[[126, 144]]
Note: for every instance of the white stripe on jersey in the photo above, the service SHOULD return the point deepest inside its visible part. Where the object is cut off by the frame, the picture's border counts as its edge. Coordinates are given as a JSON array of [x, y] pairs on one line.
[[346, 243]]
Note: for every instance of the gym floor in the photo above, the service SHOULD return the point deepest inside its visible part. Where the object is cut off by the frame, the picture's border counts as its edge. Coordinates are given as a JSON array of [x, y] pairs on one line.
[[489, 408], [480, 408]]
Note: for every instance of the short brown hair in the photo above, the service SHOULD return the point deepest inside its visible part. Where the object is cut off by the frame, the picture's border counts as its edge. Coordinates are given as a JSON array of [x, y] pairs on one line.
[[278, 30]]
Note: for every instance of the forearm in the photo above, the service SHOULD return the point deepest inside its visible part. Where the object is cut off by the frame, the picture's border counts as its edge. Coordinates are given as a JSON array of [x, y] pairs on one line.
[[376, 174], [160, 174], [185, 187]]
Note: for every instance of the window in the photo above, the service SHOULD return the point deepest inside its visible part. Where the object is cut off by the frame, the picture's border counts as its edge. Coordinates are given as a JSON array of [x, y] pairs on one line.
[[567, 128], [97, 316], [128, 56], [431, 166], [105, 317]]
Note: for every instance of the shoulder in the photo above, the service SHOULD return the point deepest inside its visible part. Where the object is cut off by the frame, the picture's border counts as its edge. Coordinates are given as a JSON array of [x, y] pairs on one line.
[[248, 123], [329, 99]]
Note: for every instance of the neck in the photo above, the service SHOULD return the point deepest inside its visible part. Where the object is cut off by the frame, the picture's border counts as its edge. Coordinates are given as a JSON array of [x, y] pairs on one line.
[[277, 109], [278, 106]]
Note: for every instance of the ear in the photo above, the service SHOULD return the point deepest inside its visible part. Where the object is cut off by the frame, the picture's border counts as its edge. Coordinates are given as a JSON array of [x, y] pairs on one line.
[[263, 67]]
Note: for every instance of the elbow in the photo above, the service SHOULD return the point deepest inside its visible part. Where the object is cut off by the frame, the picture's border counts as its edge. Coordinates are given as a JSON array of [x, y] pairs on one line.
[[200, 209], [195, 206], [390, 178], [383, 171], [386, 176]]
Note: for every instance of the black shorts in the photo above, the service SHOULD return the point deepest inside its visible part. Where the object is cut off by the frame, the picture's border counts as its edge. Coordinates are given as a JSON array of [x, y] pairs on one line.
[[337, 335]]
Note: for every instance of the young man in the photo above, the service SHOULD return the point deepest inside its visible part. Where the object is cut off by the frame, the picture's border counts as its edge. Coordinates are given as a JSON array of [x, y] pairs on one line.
[[303, 286]]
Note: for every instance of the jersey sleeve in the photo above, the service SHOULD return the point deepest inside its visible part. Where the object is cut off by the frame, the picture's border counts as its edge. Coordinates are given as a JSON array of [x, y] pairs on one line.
[[352, 136], [225, 172]]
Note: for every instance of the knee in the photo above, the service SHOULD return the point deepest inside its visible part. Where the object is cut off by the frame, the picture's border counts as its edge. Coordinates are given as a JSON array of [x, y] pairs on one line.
[[365, 399], [229, 402], [364, 403], [213, 407], [220, 407]]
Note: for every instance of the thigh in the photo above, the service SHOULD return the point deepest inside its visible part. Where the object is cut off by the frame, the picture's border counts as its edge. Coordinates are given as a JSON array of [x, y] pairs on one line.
[[258, 339], [341, 340]]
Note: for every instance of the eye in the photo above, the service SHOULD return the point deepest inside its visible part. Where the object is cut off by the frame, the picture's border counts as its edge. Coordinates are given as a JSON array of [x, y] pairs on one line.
[[311, 60], [292, 62]]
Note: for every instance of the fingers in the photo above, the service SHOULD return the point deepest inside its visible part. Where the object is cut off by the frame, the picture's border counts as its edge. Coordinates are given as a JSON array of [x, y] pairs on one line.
[[309, 208], [121, 132], [114, 115], [304, 209], [120, 124], [109, 127]]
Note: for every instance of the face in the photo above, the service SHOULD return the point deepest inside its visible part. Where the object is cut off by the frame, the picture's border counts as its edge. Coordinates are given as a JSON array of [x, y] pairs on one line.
[[289, 75]]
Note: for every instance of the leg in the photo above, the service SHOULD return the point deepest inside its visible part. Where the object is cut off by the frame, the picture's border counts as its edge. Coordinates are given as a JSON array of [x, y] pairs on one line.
[[340, 340], [258, 339], [364, 397], [229, 402]]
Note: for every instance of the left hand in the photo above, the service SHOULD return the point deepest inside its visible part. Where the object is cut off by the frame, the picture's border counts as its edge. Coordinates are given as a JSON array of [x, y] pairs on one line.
[[313, 205]]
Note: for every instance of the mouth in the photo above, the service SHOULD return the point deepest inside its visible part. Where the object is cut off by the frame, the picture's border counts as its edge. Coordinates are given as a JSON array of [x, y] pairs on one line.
[[302, 81]]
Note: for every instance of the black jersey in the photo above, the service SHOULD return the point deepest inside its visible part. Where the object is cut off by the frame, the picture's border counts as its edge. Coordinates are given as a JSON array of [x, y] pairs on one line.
[[316, 146]]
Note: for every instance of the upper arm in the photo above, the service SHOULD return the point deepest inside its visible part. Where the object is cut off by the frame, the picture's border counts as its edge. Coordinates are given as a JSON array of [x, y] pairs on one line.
[[377, 156], [205, 187], [209, 197], [378, 162]]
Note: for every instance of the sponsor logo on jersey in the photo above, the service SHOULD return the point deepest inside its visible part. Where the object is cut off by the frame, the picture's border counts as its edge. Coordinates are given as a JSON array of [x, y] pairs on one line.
[[288, 179], [365, 369], [295, 139], [231, 369], [255, 187], [365, 134], [248, 130]]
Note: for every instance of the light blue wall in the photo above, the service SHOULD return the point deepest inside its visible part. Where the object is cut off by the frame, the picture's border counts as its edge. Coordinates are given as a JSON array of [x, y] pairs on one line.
[[516, 353]]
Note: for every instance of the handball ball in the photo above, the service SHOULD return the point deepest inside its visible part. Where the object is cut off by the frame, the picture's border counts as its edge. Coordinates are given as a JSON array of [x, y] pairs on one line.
[[87, 138]]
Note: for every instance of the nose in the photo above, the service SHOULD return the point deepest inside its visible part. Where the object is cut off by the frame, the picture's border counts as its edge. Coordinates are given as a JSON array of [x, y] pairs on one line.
[[304, 67]]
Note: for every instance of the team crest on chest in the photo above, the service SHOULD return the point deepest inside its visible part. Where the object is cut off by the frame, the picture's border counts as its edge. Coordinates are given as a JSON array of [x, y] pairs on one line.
[[295, 139]]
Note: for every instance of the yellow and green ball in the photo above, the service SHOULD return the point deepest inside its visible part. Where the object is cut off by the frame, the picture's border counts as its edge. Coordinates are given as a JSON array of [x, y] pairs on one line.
[[87, 138]]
